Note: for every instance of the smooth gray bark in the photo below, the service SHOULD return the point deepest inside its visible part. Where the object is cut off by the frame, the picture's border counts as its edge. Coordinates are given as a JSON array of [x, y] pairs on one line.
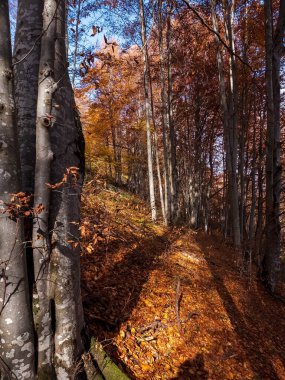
[[44, 156], [26, 68], [16, 330], [229, 127], [68, 146], [148, 112], [76, 38], [156, 152]]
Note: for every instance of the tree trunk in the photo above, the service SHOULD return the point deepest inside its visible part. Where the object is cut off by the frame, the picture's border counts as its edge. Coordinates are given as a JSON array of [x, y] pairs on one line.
[[171, 139], [68, 146], [76, 37], [148, 112], [44, 156], [273, 50], [229, 125], [26, 70], [17, 349], [156, 152], [164, 117], [116, 141]]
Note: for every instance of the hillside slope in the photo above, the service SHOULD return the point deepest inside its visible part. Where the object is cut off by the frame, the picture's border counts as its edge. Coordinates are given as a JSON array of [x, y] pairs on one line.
[[173, 304]]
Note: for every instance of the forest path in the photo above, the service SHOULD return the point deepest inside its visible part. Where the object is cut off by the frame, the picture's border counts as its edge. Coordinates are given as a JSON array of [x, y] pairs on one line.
[[136, 276]]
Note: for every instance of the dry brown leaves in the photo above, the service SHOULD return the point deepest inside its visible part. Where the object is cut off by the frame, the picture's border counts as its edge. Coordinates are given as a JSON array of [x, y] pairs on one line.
[[229, 327]]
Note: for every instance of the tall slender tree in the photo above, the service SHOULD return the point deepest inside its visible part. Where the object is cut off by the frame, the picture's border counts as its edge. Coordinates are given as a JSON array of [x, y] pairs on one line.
[[44, 157], [16, 328], [273, 49], [148, 111], [229, 116], [26, 58], [67, 144]]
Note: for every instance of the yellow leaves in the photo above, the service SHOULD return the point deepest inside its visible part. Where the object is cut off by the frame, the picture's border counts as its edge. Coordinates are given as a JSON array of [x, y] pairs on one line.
[[146, 367], [135, 356], [148, 303], [83, 231], [89, 248], [179, 243]]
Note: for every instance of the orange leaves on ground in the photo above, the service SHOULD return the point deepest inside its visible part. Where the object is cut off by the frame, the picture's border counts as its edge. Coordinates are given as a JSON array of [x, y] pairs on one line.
[[129, 291]]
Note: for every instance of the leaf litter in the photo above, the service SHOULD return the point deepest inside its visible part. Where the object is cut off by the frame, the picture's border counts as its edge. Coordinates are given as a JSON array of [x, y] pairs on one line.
[[173, 303]]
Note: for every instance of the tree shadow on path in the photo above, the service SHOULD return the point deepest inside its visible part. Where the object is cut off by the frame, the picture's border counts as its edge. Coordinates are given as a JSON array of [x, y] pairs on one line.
[[193, 369], [110, 299], [250, 323]]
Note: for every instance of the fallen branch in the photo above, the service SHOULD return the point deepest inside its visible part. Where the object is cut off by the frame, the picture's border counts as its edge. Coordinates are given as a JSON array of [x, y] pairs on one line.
[[178, 296], [153, 326], [107, 367]]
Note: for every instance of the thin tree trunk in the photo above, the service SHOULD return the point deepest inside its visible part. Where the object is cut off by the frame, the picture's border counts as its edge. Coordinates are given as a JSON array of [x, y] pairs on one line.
[[26, 70], [229, 125], [17, 349], [273, 50], [164, 117], [172, 139], [156, 152], [259, 222], [44, 156], [160, 184], [68, 147], [76, 37], [253, 191], [148, 113], [116, 141]]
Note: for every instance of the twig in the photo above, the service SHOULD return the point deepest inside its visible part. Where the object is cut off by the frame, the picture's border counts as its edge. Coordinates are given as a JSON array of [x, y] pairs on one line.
[[203, 22], [37, 39], [153, 326], [178, 297]]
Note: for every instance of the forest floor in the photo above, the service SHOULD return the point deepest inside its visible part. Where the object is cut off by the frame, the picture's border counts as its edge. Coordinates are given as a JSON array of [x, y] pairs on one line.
[[173, 303]]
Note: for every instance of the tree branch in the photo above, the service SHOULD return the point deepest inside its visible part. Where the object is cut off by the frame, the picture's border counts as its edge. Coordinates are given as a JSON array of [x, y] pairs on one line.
[[203, 22]]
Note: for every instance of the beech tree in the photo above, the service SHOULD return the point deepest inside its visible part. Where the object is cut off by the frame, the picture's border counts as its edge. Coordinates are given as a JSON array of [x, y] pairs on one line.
[[148, 112], [26, 57], [273, 51], [45, 109], [16, 328]]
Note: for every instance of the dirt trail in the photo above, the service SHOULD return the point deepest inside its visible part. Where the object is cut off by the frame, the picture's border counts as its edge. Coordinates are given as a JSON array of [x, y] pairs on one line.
[[172, 304]]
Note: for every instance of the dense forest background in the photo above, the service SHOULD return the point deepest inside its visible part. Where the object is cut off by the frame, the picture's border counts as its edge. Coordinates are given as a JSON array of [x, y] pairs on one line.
[[192, 95]]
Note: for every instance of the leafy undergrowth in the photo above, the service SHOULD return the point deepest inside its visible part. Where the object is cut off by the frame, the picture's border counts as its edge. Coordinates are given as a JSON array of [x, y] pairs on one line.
[[173, 304]]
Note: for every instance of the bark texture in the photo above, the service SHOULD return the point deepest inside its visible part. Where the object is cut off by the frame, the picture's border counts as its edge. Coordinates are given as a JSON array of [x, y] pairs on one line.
[[44, 156], [68, 147], [229, 122], [273, 48], [26, 67], [16, 330]]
